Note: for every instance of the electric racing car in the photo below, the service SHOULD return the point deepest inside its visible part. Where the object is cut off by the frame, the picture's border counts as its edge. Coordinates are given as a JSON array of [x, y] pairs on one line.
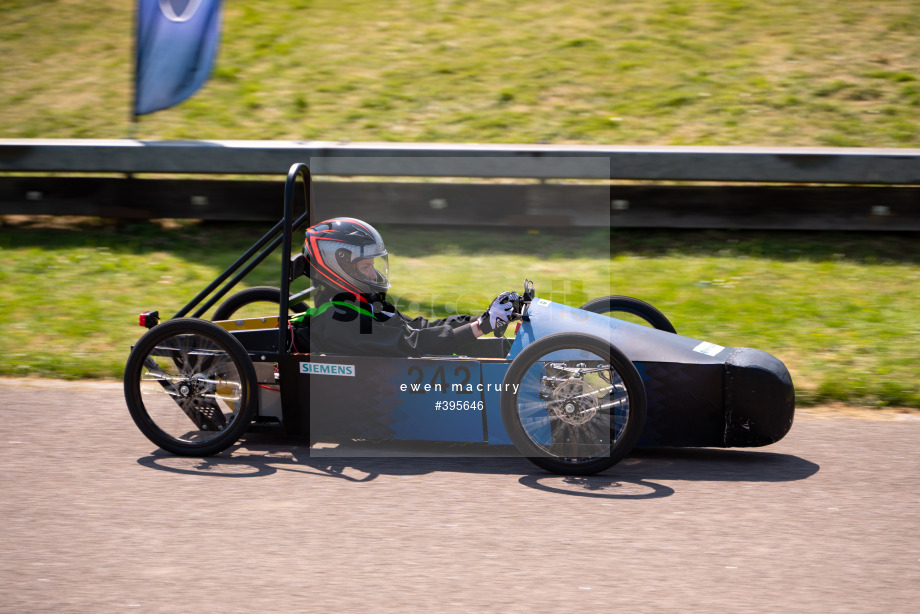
[[573, 389]]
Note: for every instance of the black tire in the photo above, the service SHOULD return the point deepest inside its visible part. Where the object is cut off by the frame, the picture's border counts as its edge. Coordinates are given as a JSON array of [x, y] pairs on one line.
[[256, 294], [190, 387], [557, 418], [628, 304]]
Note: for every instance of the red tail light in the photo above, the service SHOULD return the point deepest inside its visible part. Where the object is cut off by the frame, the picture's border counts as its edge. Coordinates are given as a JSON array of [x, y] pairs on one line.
[[149, 319]]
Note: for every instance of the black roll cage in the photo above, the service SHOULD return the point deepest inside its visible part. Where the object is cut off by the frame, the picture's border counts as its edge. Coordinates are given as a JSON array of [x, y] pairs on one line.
[[282, 234]]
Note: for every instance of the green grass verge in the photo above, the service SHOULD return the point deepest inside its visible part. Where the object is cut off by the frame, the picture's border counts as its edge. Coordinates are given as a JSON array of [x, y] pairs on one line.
[[839, 309], [699, 72]]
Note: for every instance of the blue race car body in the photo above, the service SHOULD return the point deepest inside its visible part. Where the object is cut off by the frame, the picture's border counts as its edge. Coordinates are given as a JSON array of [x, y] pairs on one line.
[[698, 393]]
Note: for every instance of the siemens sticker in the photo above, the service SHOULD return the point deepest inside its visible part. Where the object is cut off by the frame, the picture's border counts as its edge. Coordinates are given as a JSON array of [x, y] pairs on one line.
[[315, 368]]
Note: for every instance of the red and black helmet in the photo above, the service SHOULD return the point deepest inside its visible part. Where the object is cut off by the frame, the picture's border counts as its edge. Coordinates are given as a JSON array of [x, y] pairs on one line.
[[349, 255]]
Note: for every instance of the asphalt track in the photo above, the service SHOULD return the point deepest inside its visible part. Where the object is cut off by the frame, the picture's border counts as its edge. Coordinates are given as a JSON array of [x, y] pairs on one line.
[[96, 519]]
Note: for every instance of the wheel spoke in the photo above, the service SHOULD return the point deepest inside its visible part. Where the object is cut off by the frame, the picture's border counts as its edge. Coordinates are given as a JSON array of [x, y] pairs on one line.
[[194, 380], [571, 414], [579, 425]]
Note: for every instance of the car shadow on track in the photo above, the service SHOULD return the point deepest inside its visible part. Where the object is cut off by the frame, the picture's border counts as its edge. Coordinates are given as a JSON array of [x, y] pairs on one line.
[[639, 476]]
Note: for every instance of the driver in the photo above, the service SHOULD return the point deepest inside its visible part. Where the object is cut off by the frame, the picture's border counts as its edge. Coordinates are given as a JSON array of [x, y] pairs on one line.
[[349, 267]]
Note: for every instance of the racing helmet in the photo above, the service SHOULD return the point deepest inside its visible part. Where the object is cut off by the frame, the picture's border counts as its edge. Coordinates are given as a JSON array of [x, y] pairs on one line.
[[347, 254]]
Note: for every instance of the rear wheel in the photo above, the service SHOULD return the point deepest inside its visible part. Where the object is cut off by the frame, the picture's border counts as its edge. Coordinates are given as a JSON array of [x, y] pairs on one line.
[[630, 305], [190, 387], [262, 296], [573, 404]]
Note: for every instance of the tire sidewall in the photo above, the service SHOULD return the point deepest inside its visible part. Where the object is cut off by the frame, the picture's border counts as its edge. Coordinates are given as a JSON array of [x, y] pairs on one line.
[[256, 294], [628, 304], [241, 360], [632, 380]]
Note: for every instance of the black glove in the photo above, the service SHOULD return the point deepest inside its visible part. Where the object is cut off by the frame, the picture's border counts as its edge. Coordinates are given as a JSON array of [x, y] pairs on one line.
[[499, 314]]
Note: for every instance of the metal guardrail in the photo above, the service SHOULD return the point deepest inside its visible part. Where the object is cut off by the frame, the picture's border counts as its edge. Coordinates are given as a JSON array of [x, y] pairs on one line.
[[730, 187], [730, 164]]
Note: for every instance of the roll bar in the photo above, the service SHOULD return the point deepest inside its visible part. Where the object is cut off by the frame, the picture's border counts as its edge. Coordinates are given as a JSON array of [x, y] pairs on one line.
[[299, 168], [280, 234]]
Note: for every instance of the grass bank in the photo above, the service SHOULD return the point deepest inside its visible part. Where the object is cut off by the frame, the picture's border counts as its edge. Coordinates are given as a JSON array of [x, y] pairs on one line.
[[698, 72], [839, 309]]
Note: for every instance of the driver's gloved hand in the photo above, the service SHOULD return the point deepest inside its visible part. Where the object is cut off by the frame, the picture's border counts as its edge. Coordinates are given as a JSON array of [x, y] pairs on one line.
[[500, 312]]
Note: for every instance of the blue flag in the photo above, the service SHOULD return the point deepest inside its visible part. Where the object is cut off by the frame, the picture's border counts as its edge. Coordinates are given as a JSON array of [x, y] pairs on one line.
[[176, 47]]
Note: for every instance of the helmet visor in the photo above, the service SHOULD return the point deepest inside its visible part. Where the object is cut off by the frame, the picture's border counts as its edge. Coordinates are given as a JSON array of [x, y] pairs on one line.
[[364, 268], [374, 270]]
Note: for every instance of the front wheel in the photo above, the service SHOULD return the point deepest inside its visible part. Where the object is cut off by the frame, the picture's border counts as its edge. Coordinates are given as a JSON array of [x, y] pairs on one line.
[[633, 306], [573, 404], [190, 387]]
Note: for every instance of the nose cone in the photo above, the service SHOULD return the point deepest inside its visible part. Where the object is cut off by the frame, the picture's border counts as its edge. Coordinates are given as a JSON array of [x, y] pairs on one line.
[[759, 398]]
